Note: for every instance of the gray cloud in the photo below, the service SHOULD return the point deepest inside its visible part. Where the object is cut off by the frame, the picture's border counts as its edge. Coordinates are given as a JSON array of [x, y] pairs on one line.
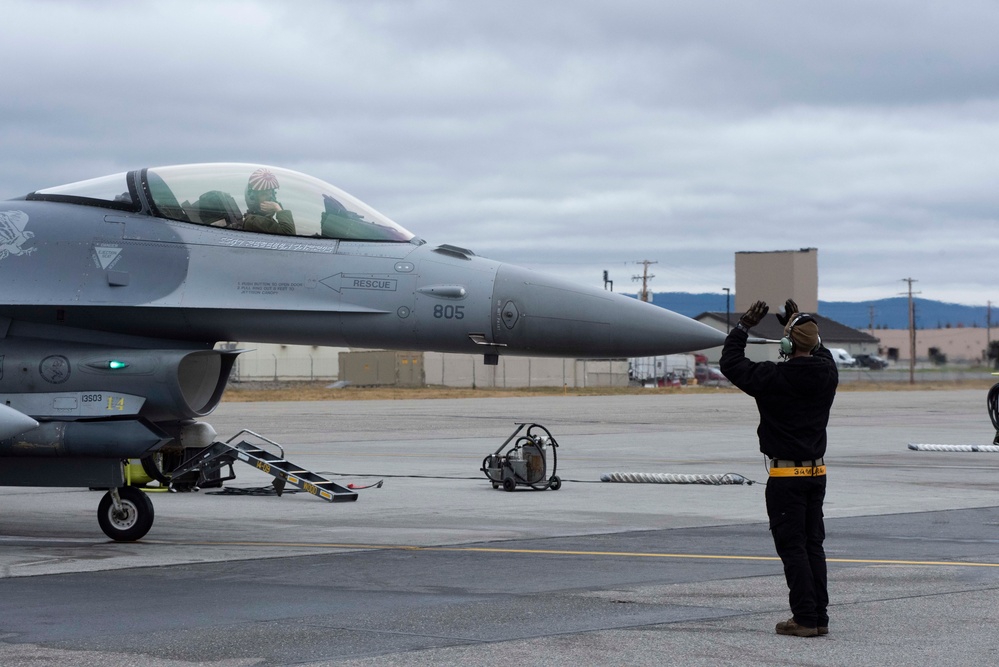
[[567, 141]]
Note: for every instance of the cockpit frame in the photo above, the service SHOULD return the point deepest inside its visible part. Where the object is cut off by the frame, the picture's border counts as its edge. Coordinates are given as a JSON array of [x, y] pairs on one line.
[[217, 194]]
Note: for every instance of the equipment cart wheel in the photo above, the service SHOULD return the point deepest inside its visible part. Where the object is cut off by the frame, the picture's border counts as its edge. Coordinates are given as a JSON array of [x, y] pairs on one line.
[[554, 483], [132, 521], [509, 484]]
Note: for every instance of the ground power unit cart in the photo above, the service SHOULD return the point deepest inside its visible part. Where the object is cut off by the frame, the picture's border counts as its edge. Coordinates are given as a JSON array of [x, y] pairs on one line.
[[524, 462]]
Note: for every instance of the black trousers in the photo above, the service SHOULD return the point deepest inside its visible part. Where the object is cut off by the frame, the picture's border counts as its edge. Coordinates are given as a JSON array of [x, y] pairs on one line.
[[794, 505]]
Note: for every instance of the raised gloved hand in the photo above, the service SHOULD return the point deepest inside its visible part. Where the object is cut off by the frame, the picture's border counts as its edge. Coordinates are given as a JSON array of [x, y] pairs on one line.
[[754, 315], [790, 310]]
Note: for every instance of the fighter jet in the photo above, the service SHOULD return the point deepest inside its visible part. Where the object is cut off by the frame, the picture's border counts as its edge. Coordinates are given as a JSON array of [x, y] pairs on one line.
[[117, 289]]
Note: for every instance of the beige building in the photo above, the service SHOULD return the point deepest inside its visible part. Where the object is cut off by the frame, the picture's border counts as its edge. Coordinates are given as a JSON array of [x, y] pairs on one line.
[[414, 369], [273, 362], [268, 362], [777, 276], [964, 345]]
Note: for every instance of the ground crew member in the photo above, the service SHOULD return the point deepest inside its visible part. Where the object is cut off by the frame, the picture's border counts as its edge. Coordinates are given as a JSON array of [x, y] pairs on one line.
[[793, 398]]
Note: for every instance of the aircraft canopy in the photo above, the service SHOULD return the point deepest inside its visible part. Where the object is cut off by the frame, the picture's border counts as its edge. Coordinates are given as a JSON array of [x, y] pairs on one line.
[[222, 194]]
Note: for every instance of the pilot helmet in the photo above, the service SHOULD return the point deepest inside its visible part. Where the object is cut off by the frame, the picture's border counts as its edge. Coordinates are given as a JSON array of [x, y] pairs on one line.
[[261, 186]]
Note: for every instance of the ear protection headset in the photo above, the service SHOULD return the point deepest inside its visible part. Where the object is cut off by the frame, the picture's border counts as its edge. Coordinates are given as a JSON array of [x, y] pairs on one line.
[[787, 344]]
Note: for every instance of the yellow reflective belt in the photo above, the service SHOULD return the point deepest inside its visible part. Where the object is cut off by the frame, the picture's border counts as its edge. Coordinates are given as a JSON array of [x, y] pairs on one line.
[[817, 471]]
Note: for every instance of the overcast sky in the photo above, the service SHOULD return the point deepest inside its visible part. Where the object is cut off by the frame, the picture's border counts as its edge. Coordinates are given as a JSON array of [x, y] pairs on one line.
[[570, 137]]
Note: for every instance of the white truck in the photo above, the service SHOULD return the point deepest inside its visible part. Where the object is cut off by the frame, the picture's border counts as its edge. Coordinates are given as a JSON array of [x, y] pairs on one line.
[[842, 358]]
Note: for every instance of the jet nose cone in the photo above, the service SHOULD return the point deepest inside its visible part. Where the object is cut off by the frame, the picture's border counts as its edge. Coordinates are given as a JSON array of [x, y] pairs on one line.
[[538, 314], [662, 331]]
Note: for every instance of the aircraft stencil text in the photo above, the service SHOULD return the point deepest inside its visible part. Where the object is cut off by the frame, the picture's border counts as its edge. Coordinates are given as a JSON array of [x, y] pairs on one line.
[[263, 287], [386, 284]]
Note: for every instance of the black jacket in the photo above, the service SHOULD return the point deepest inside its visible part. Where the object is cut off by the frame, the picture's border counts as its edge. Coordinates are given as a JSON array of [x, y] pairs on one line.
[[793, 397]]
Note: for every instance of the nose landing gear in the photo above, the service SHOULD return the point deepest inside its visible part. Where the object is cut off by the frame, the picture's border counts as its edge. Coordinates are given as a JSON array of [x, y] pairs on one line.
[[125, 514]]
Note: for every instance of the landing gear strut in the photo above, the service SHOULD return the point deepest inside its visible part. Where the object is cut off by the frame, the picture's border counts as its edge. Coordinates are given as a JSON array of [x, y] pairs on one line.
[[125, 514]]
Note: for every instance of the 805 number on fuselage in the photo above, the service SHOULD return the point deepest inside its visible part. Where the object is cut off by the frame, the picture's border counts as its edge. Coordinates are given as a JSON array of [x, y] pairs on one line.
[[449, 312]]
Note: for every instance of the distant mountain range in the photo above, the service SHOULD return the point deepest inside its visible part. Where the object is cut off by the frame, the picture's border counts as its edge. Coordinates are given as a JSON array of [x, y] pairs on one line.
[[890, 313]]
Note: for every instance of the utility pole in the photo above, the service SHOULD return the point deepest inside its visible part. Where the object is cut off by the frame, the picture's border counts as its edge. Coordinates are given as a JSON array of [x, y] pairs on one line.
[[645, 278], [988, 332], [728, 309], [871, 311], [912, 332]]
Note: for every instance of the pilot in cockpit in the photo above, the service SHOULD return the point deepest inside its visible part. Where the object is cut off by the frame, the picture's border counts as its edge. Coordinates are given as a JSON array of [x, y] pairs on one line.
[[263, 212]]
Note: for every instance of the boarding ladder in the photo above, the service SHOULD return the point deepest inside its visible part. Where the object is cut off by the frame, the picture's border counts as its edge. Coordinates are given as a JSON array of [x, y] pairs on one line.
[[211, 459]]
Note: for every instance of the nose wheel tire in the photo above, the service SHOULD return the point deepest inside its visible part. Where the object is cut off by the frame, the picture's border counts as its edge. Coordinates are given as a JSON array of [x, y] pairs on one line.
[[132, 521]]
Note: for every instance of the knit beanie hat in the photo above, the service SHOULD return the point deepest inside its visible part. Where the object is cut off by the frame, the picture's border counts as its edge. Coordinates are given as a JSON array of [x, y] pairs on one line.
[[804, 335]]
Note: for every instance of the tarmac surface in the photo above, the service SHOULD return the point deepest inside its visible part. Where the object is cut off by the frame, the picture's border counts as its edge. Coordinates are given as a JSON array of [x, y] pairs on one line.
[[436, 567]]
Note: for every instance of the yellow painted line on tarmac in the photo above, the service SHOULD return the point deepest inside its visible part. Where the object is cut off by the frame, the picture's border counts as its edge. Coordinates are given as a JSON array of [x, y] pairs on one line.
[[558, 552]]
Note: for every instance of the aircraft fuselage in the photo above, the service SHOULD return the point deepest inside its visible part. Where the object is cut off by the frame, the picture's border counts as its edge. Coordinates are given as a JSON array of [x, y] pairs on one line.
[[116, 290]]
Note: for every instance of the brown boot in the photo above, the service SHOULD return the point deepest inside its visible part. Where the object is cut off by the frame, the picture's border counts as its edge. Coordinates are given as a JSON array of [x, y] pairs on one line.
[[789, 627], [823, 629]]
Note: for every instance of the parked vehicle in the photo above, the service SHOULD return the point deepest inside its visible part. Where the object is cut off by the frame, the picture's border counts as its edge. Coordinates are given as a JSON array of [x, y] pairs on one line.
[[709, 375], [871, 361], [842, 358], [662, 371]]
